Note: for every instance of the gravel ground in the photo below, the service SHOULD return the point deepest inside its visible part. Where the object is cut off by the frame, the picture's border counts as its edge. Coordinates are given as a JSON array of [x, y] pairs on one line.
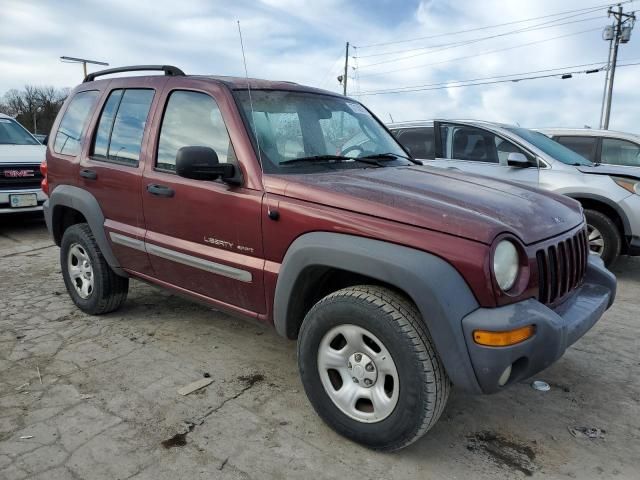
[[96, 397]]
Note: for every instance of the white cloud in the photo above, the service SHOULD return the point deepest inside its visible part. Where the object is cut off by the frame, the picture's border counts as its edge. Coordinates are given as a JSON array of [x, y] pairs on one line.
[[304, 40]]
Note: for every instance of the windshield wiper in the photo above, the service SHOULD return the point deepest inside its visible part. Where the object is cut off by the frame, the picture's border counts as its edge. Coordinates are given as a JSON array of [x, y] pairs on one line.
[[391, 156], [317, 158]]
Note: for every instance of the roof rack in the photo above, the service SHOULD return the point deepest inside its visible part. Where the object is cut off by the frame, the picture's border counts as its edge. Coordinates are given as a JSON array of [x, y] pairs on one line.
[[168, 70]]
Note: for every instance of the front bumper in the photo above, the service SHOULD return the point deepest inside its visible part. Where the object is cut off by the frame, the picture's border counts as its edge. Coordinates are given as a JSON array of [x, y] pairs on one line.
[[5, 206], [556, 329]]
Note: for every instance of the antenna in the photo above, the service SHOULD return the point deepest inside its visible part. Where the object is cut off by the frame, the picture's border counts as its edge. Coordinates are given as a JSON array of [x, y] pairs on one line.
[[273, 214]]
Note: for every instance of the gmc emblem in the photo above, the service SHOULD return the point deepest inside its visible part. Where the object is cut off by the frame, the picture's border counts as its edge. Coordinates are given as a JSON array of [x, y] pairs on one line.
[[19, 173]]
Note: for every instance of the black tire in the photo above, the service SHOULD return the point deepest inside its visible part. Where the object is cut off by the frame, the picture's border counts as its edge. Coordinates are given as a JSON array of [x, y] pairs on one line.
[[610, 235], [423, 384], [109, 289]]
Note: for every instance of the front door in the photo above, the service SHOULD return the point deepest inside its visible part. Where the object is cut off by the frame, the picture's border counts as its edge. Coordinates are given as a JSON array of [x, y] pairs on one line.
[[202, 236], [482, 152]]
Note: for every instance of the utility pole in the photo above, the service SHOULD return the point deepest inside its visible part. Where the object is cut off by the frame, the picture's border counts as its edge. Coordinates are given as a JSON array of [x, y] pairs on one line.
[[622, 34], [346, 68], [84, 62]]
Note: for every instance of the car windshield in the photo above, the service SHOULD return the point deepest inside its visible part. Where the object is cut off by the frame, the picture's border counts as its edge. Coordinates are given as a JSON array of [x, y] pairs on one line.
[[550, 147], [12, 133], [301, 132]]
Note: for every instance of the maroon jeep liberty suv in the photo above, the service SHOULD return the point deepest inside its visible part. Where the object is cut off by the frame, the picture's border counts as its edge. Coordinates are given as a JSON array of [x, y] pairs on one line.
[[296, 206]]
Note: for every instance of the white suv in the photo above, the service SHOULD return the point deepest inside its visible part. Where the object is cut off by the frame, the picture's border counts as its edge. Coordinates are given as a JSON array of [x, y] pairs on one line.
[[609, 194], [20, 158]]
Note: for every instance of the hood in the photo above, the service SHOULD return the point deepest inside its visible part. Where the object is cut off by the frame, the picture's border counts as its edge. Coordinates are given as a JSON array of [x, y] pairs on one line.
[[474, 207], [11, 154], [604, 169]]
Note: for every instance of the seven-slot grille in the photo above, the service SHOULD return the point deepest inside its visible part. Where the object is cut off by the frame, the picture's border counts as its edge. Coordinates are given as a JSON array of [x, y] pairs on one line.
[[562, 266], [20, 177]]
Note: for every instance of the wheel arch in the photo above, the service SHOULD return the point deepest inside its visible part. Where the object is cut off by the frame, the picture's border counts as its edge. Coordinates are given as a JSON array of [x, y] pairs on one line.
[[318, 263], [68, 205], [608, 208]]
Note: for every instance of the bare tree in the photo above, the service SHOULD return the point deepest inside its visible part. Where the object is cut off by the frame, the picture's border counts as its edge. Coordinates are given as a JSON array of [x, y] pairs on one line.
[[34, 107]]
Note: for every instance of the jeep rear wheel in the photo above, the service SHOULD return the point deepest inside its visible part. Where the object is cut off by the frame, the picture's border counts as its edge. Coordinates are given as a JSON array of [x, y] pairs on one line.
[[369, 367], [92, 285]]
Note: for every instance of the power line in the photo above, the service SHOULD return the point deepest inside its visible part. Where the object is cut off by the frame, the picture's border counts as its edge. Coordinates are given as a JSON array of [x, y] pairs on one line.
[[592, 8], [476, 40], [475, 55], [563, 75], [449, 82]]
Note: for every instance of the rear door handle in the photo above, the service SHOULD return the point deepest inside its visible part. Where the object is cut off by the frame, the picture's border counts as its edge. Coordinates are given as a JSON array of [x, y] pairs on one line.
[[88, 174], [160, 190]]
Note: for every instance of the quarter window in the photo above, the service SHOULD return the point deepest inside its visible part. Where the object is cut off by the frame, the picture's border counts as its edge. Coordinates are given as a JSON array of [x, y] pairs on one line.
[[585, 146], [73, 123], [192, 119], [121, 127], [620, 152]]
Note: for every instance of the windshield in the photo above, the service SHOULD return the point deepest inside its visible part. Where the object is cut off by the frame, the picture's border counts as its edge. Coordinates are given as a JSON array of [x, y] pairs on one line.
[[12, 133], [550, 147], [307, 132]]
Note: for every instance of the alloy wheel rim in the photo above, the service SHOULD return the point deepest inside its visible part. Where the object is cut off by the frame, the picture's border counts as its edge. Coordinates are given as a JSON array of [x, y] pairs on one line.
[[596, 240], [80, 270], [358, 373]]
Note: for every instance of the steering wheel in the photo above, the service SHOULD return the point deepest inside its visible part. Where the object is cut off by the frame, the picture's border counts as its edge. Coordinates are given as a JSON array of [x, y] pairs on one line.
[[351, 148]]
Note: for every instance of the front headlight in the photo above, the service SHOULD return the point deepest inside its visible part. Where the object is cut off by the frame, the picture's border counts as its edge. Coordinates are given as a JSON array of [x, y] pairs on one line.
[[628, 184], [505, 264]]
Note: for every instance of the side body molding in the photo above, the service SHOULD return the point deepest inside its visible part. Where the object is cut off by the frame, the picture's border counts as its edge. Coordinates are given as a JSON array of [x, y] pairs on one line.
[[439, 291], [85, 203]]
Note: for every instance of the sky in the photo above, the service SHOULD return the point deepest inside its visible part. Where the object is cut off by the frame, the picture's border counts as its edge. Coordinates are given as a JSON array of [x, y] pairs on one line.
[[304, 41]]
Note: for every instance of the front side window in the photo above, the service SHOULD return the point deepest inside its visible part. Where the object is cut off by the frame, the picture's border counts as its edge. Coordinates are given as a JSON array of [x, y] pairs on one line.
[[585, 146], [73, 123], [12, 133], [420, 141], [121, 127], [469, 143], [300, 132], [192, 119], [620, 152]]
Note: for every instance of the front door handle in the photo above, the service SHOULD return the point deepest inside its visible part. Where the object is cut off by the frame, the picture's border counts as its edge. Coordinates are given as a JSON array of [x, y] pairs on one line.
[[88, 174], [160, 190]]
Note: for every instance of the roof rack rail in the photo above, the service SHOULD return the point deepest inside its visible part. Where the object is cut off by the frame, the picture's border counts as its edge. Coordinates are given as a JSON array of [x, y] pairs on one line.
[[168, 70]]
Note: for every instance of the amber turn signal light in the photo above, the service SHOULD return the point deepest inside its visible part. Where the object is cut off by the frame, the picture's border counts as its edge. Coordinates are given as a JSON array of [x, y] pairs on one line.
[[503, 339]]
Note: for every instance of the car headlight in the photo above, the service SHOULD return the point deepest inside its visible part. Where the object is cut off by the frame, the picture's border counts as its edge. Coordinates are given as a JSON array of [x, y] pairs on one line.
[[628, 184], [506, 264]]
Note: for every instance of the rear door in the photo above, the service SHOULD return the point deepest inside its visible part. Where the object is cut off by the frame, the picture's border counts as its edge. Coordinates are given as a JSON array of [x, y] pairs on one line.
[[112, 164], [202, 236], [420, 141], [479, 151]]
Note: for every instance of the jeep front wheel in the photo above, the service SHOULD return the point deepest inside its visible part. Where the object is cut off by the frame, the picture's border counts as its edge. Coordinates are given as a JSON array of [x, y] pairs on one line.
[[369, 367], [92, 285]]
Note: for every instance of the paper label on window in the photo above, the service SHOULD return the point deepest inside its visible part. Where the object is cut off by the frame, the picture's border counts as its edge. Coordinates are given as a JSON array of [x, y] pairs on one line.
[[357, 108]]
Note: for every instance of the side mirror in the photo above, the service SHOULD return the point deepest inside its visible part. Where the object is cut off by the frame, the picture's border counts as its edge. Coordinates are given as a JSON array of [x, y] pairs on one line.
[[201, 163], [518, 160]]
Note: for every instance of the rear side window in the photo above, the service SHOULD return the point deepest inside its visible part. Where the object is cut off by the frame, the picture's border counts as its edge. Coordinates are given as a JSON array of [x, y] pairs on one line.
[[419, 141], [620, 152], [192, 119], [585, 146], [121, 127], [67, 141]]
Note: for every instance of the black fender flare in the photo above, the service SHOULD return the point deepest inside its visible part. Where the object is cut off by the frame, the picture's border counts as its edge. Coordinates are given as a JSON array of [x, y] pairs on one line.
[[435, 286], [85, 203]]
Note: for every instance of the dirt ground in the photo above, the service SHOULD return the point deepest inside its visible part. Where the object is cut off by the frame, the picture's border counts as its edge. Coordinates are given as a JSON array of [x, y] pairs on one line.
[[96, 398]]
